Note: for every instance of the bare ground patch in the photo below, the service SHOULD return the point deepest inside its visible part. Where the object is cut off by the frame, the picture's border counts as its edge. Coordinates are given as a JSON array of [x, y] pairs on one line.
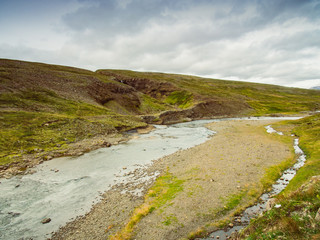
[[229, 163]]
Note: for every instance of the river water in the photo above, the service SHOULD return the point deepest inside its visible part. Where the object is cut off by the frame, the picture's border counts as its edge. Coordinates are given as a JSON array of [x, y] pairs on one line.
[[64, 188]]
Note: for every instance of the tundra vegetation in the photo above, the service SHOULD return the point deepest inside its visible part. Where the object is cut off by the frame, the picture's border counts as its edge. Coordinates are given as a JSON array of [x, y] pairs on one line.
[[299, 214], [44, 109], [47, 107]]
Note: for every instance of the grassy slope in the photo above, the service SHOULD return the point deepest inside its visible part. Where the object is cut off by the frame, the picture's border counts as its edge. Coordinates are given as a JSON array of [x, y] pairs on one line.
[[263, 98], [301, 199], [45, 107]]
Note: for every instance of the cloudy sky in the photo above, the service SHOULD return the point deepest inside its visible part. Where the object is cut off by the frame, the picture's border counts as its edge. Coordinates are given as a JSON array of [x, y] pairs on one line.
[[267, 41]]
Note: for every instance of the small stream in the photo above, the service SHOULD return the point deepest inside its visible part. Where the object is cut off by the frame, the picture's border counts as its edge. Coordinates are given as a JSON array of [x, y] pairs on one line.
[[63, 188], [261, 206]]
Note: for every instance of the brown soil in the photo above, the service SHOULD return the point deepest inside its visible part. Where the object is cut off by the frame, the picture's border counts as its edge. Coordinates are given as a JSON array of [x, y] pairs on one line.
[[233, 159]]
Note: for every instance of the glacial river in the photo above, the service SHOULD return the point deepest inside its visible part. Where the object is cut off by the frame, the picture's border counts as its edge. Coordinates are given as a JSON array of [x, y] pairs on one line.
[[64, 188]]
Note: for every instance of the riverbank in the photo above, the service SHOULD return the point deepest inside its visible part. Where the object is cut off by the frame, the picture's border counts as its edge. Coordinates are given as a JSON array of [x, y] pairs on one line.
[[203, 177], [29, 161]]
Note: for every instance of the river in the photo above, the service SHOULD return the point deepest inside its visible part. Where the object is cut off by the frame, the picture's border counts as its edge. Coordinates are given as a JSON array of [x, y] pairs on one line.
[[64, 188]]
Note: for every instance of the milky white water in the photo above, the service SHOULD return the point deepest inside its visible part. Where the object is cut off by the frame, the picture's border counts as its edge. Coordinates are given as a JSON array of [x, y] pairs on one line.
[[64, 188]]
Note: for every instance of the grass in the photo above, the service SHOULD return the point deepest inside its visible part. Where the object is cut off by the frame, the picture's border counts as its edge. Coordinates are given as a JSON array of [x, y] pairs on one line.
[[150, 105], [164, 189], [182, 99], [263, 98], [294, 220], [236, 203], [301, 199], [81, 104], [30, 132]]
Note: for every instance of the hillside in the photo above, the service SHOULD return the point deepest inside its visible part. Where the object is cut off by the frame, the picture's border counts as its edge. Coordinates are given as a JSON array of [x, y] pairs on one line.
[[46, 109]]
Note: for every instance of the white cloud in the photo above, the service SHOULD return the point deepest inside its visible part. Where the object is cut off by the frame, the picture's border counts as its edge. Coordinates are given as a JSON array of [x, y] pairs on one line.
[[273, 42]]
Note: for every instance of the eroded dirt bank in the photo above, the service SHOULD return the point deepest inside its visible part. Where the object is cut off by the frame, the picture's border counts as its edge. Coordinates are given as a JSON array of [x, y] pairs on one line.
[[228, 163]]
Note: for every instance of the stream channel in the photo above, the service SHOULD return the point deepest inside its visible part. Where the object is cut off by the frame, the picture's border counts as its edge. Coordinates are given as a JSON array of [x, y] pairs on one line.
[[254, 211], [63, 188]]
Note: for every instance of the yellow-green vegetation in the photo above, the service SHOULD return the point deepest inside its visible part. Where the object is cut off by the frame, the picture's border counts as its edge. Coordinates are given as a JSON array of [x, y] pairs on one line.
[[263, 98], [295, 219], [236, 203], [46, 107], [300, 201], [164, 189], [31, 132], [182, 99], [151, 105]]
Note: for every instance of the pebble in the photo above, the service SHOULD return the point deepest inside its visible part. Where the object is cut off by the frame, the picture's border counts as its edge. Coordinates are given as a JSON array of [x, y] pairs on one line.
[[46, 220]]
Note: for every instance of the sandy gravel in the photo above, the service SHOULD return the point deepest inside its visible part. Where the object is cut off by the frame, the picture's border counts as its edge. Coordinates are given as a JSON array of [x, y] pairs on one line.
[[231, 160]]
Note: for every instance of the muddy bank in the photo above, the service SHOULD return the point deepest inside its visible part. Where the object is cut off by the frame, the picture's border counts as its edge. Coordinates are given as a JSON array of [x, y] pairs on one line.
[[231, 161]]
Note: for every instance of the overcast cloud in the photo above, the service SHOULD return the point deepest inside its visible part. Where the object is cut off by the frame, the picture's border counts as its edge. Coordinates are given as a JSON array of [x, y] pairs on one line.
[[271, 41]]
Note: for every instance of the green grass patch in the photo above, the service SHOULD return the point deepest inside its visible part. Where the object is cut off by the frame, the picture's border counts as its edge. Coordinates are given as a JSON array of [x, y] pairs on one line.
[[150, 105], [308, 130], [300, 200], [164, 189], [182, 99], [295, 219], [31, 132], [263, 98]]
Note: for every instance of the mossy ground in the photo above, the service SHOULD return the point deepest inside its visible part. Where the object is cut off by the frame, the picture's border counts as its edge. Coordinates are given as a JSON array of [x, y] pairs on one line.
[[299, 204], [44, 107]]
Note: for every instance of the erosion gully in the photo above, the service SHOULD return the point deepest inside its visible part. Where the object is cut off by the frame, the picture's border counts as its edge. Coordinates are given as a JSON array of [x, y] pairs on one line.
[[63, 188]]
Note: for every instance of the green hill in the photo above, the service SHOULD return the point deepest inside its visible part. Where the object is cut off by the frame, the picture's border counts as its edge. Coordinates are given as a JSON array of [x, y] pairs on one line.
[[47, 108]]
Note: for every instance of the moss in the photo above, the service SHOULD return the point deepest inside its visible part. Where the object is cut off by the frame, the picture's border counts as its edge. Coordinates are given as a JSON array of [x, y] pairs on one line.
[[151, 105], [183, 99]]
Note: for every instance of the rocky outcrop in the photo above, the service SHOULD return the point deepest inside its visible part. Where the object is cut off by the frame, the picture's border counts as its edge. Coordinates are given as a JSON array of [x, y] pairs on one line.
[[208, 109]]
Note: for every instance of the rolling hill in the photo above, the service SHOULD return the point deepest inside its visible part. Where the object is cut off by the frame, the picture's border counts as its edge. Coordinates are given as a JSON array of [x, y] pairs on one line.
[[45, 109]]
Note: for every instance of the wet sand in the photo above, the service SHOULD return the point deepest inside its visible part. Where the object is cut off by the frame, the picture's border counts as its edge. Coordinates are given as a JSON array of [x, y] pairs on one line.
[[232, 160]]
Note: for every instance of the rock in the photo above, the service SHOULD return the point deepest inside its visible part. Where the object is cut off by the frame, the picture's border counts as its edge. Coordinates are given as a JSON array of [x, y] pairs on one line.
[[270, 204], [317, 218], [13, 214], [18, 185], [46, 220], [231, 225], [106, 144], [3, 167]]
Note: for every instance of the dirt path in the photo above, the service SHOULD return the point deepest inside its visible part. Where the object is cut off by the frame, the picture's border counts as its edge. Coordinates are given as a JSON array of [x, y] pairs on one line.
[[228, 163]]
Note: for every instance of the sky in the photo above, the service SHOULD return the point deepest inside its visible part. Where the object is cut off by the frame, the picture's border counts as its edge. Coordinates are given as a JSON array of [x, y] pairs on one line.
[[265, 41]]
